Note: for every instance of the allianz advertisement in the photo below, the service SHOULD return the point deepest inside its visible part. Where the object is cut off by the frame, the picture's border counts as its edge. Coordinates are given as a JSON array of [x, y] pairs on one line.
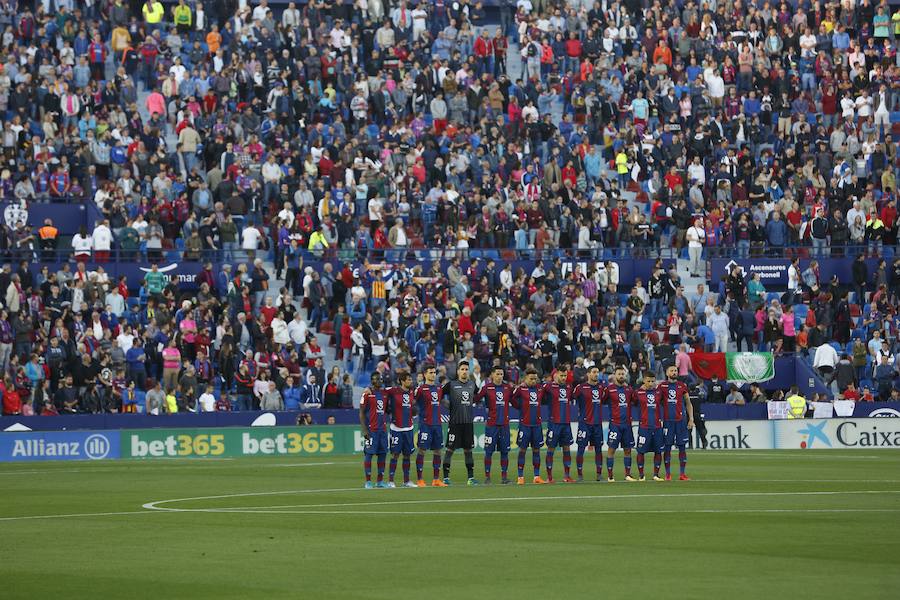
[[841, 434]]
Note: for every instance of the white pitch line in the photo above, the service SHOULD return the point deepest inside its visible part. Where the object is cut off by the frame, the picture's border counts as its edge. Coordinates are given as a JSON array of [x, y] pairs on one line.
[[731, 454], [383, 513], [319, 464], [155, 505], [73, 515]]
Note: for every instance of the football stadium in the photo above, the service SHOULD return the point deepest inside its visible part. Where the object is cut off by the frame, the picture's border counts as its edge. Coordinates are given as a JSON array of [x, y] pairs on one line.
[[401, 298]]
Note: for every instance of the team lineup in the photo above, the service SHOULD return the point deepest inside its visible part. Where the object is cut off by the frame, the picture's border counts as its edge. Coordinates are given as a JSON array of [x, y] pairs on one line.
[[386, 417]]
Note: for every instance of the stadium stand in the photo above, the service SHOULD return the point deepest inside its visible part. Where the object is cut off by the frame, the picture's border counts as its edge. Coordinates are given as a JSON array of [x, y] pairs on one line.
[[200, 198]]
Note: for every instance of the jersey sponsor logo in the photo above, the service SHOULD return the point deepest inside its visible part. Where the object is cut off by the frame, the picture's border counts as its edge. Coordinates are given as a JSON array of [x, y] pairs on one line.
[[672, 395], [465, 397], [532, 398], [623, 400], [406, 401], [498, 398], [651, 399], [563, 395], [595, 396], [434, 398], [379, 406]]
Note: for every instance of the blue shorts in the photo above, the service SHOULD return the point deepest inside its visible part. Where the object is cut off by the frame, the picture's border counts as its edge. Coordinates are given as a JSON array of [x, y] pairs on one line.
[[431, 437], [530, 435], [559, 434], [620, 435], [649, 440], [590, 435], [402, 442], [496, 438], [377, 443], [676, 433]]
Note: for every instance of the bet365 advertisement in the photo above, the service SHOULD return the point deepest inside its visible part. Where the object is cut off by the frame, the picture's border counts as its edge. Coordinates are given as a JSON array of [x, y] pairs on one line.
[[839, 433]]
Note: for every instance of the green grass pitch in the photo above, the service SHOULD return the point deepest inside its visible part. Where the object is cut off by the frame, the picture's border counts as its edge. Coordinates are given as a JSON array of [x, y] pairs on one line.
[[770, 525]]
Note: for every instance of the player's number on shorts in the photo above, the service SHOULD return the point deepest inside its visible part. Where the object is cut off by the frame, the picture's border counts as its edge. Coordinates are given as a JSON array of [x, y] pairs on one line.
[[582, 435], [488, 440], [395, 441], [452, 437], [613, 435], [424, 436], [642, 440], [369, 443]]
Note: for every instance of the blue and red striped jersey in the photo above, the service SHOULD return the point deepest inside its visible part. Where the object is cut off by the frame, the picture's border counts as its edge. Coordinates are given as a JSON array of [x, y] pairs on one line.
[[528, 401], [428, 399], [374, 406], [620, 400], [672, 395], [649, 404], [400, 407], [496, 399], [559, 397], [590, 402]]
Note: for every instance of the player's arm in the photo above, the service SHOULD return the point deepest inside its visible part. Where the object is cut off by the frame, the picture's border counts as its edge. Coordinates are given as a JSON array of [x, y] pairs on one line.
[[579, 394], [689, 408], [480, 395], [362, 417], [544, 394], [514, 398], [445, 395], [389, 401]]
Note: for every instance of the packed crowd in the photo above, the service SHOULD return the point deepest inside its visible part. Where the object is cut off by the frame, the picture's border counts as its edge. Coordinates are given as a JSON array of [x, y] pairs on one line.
[[344, 130]]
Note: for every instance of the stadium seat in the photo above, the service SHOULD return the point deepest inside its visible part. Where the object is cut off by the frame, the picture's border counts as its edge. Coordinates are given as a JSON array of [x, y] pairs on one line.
[[849, 348], [801, 311], [773, 296], [837, 347], [855, 310]]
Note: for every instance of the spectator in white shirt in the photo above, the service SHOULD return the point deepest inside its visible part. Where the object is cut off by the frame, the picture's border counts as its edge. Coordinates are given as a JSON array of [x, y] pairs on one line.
[[864, 103], [825, 360], [102, 240], [250, 238], [82, 244], [207, 401], [718, 322]]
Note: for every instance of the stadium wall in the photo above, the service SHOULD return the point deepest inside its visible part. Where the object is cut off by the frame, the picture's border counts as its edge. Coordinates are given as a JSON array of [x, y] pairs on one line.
[[835, 434]]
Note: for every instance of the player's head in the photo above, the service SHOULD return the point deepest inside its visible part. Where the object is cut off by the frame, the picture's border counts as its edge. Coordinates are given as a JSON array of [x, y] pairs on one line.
[[462, 370], [405, 380], [430, 374], [562, 373], [531, 377], [619, 375], [497, 375], [672, 373], [376, 380], [649, 379], [593, 375]]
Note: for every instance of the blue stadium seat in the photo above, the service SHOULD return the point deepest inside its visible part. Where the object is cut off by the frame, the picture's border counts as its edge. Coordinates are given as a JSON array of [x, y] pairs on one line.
[[866, 383], [773, 296], [837, 347], [801, 311], [849, 348], [132, 301]]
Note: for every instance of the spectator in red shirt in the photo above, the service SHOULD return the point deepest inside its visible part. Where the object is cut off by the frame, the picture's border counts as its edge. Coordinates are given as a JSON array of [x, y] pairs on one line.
[[12, 402], [573, 52]]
